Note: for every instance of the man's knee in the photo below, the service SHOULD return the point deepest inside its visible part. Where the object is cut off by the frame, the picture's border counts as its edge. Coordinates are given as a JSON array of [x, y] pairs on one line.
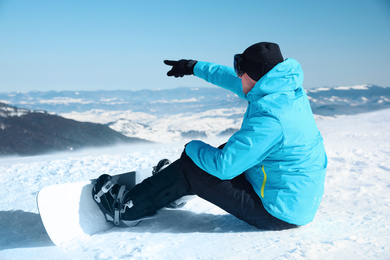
[[186, 161]]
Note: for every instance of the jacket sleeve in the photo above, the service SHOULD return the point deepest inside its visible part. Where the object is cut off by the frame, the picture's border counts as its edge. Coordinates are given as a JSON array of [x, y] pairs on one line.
[[258, 137], [219, 75]]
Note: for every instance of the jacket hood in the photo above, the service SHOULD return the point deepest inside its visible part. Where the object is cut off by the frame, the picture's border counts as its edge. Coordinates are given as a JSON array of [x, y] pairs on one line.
[[286, 76]]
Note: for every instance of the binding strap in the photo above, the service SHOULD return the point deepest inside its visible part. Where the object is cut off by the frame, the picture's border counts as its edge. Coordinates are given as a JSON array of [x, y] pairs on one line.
[[118, 204], [106, 188]]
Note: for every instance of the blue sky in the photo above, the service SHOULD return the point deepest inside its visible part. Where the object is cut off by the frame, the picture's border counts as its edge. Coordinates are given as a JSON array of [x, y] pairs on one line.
[[94, 45]]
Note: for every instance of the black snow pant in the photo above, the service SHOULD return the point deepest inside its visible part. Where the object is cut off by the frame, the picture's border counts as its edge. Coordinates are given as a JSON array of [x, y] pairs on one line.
[[183, 177]]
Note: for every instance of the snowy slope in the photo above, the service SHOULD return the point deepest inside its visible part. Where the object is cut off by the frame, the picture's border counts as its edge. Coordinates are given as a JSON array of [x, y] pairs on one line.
[[352, 221]]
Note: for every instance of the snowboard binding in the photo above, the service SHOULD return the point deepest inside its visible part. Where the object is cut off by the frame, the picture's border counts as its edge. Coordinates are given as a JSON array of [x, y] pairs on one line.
[[161, 165], [111, 198]]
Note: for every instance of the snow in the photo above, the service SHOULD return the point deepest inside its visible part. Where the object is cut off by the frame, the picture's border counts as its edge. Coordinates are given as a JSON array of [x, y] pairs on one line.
[[64, 101], [352, 221], [189, 100], [351, 87], [355, 87], [165, 128]]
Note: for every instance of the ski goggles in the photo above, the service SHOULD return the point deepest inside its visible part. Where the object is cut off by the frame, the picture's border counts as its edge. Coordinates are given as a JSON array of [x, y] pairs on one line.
[[238, 65]]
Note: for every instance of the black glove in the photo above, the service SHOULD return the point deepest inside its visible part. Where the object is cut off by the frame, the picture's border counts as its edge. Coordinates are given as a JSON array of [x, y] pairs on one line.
[[180, 67]]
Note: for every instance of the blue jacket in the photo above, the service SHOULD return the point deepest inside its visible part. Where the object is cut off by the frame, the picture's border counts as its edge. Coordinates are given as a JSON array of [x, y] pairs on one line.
[[278, 147]]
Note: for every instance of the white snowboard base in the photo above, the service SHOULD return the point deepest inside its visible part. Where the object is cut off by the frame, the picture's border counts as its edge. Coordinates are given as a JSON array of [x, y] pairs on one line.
[[68, 211]]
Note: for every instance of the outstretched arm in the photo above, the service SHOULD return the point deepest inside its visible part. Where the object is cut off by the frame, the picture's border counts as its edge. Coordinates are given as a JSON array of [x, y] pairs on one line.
[[216, 74], [219, 75]]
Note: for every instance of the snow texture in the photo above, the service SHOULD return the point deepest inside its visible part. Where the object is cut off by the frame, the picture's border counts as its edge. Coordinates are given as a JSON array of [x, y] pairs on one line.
[[352, 221]]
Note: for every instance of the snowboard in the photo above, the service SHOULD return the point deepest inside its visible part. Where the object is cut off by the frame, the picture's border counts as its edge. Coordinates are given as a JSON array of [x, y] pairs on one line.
[[68, 210]]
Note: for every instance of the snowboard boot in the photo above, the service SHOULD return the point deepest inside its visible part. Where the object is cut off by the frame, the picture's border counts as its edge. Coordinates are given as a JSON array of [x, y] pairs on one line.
[[112, 200]]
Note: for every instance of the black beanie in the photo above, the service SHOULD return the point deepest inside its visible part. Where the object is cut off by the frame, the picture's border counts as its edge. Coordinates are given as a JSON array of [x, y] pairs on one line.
[[260, 58]]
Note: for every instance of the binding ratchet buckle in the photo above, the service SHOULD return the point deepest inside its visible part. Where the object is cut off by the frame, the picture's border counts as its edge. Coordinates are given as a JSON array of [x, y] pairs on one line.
[[106, 188]]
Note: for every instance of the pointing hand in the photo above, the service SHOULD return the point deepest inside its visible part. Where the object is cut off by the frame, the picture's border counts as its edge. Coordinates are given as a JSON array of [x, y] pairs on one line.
[[180, 67]]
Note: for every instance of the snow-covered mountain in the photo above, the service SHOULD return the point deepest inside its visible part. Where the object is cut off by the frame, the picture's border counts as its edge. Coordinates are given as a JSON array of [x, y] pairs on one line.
[[183, 100], [345, 100], [176, 114], [156, 102], [28, 132]]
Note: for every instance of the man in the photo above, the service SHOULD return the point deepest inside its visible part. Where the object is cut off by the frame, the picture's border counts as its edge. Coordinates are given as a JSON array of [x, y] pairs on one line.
[[270, 173]]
